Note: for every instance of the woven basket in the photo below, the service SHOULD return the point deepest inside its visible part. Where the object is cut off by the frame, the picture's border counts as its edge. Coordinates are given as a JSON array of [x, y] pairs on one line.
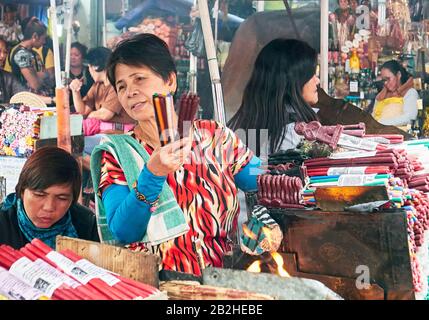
[[28, 99]]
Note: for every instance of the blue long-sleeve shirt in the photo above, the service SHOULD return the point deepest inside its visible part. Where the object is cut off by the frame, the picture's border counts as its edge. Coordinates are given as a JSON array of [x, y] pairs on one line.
[[128, 217]]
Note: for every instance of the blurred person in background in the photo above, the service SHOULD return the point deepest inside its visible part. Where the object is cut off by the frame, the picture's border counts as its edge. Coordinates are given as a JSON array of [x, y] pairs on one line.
[[100, 107], [9, 85], [10, 28], [396, 104], [46, 55], [4, 51], [78, 70], [25, 64]]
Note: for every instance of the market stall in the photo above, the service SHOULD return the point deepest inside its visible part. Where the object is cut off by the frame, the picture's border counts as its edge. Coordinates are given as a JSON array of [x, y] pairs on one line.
[[364, 35], [23, 129], [360, 204], [27, 123]]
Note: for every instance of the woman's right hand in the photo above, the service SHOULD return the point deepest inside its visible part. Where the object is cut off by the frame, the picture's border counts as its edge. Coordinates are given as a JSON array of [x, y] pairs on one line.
[[75, 85], [170, 157]]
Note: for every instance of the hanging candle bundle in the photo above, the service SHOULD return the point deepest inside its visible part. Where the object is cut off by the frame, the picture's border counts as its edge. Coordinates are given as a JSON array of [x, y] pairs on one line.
[[188, 106]]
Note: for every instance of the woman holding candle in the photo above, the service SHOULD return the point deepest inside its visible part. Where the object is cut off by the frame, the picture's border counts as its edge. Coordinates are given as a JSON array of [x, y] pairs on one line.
[[200, 172], [45, 202]]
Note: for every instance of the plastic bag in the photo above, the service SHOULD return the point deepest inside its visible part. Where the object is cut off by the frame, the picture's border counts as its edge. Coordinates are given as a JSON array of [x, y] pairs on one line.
[[195, 42], [261, 233]]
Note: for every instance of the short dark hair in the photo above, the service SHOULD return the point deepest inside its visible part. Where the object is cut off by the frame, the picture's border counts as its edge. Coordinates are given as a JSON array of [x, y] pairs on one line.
[[395, 67], [98, 57], [50, 166], [83, 49], [144, 49], [32, 25]]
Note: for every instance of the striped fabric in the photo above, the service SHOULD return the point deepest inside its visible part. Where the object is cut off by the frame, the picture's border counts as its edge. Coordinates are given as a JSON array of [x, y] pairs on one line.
[[206, 192]]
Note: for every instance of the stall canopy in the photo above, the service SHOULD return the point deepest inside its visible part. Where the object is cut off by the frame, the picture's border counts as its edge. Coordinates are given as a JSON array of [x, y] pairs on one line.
[[32, 2], [177, 7]]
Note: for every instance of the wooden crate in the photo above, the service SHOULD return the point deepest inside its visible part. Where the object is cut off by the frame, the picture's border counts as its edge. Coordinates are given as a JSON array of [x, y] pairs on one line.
[[139, 266], [339, 244]]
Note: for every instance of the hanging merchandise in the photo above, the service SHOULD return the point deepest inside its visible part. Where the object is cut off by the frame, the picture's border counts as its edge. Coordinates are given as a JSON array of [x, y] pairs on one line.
[[195, 42], [19, 129]]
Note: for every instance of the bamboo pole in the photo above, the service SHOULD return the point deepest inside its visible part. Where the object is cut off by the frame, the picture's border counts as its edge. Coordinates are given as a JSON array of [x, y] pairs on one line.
[[324, 40], [216, 21], [69, 20], [212, 62], [104, 27], [193, 67]]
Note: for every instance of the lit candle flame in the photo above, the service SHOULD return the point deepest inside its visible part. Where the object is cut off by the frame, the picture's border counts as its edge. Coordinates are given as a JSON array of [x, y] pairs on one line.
[[255, 267], [279, 260]]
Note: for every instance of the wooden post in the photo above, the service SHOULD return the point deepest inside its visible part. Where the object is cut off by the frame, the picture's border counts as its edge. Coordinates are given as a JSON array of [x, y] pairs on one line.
[[63, 119]]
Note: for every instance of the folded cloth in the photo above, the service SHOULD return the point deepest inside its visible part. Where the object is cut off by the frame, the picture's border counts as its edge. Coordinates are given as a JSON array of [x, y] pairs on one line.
[[91, 126], [124, 127], [261, 233], [167, 222]]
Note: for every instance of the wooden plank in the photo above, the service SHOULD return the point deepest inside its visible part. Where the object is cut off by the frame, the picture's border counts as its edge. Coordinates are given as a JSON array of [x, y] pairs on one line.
[[191, 290], [345, 287], [139, 266], [63, 119], [337, 243]]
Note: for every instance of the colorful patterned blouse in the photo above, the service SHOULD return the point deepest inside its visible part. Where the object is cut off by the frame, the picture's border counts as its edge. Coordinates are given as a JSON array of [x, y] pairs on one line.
[[206, 192]]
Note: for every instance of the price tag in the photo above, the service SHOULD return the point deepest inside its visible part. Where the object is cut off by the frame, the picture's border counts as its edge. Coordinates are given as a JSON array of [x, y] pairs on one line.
[[354, 86], [420, 104]]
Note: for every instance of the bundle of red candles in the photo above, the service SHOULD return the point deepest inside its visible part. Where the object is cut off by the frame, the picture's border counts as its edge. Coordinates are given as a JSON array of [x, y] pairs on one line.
[[280, 191], [188, 106], [66, 276], [164, 115]]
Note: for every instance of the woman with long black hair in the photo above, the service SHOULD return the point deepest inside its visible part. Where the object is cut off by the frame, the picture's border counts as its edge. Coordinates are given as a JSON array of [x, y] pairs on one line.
[[280, 92]]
